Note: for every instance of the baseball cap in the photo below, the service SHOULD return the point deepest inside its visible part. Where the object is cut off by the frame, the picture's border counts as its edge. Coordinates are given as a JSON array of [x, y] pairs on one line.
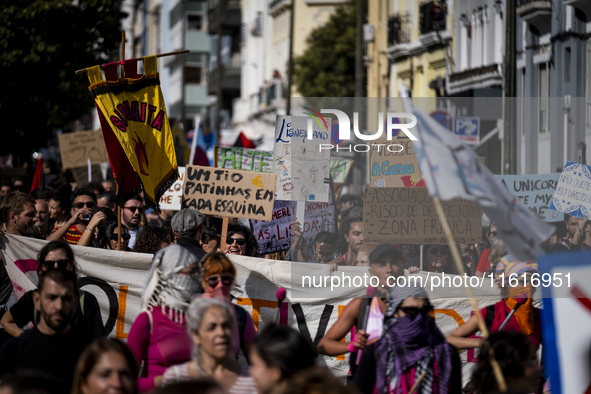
[[186, 221], [385, 249]]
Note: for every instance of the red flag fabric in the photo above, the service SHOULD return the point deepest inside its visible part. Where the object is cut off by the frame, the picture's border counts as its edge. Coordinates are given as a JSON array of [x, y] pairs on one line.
[[38, 175], [243, 142]]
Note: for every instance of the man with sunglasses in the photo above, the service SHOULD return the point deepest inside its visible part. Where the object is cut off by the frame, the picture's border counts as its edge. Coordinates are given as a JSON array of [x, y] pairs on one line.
[[187, 224], [83, 208], [131, 215], [484, 262]]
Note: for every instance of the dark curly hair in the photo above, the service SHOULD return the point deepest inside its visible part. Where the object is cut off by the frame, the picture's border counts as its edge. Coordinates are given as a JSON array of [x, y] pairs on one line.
[[252, 247], [512, 351], [344, 228], [150, 238]]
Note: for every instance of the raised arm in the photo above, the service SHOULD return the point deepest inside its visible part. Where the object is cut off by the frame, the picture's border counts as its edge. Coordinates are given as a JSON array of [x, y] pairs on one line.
[[459, 336]]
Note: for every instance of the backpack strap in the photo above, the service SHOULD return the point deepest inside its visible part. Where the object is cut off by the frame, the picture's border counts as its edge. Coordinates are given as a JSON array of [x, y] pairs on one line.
[[363, 313], [490, 316]]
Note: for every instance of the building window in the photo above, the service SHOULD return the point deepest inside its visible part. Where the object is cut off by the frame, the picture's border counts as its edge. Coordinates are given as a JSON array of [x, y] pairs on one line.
[[543, 97], [194, 22], [193, 74]]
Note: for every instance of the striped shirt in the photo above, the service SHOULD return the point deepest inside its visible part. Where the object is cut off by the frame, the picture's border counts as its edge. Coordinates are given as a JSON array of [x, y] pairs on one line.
[[180, 373], [72, 236]]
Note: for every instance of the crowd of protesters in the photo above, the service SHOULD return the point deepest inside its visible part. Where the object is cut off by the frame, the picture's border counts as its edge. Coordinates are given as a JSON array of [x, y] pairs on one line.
[[189, 335]]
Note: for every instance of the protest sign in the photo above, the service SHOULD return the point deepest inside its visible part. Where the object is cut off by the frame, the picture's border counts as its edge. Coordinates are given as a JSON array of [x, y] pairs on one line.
[[534, 191], [173, 197], [230, 193], [566, 291], [302, 169], [244, 159], [395, 165], [276, 235], [339, 169], [116, 279], [573, 191], [407, 215], [76, 148]]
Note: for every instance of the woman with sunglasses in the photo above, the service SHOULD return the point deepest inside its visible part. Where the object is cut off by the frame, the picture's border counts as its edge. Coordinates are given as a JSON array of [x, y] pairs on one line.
[[158, 337], [89, 238], [438, 259], [55, 254], [108, 236], [526, 318], [212, 230], [83, 208], [410, 345], [218, 278], [240, 241]]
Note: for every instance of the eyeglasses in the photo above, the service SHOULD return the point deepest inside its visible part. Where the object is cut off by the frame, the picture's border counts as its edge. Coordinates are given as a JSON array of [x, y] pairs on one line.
[[133, 209], [493, 233], [213, 281], [209, 237], [89, 204], [325, 254], [239, 241], [413, 310], [62, 263], [443, 251], [125, 237]]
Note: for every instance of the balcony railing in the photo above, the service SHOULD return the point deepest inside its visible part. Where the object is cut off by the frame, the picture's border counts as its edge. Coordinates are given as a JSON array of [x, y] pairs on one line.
[[231, 17], [399, 29], [433, 15]]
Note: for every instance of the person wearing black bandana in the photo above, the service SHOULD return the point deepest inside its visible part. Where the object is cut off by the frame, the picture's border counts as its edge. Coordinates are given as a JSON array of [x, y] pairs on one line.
[[411, 346]]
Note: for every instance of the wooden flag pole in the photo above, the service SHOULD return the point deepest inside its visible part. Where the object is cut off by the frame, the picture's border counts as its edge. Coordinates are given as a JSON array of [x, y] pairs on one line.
[[83, 71], [460, 268], [119, 205], [224, 234]]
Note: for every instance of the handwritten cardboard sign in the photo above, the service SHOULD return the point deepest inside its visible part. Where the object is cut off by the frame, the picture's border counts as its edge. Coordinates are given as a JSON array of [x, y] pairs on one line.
[[173, 197], [535, 191], [390, 168], [573, 191], [276, 235], [232, 193], [302, 169], [76, 148], [408, 216], [339, 169], [244, 159]]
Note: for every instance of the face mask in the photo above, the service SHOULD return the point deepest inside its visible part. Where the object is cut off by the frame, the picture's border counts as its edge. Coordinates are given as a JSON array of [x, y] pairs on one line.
[[220, 292]]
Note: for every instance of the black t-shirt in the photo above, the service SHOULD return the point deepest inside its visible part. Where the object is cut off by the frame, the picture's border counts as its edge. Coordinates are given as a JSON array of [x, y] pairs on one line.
[[53, 354], [90, 322]]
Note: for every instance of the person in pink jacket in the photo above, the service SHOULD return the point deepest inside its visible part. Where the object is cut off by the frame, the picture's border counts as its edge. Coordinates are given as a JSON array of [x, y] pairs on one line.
[[158, 336]]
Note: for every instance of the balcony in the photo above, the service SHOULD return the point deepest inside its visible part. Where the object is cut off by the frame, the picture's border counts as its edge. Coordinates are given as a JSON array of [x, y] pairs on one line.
[[399, 35], [476, 78], [230, 77], [276, 7], [231, 16], [433, 15], [582, 5], [537, 13]]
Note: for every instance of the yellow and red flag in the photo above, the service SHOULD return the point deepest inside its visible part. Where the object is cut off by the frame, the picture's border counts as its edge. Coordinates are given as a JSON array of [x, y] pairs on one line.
[[134, 122]]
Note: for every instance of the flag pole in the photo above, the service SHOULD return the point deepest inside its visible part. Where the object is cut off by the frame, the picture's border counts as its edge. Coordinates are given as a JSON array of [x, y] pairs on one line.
[[119, 205], [83, 71], [460, 268]]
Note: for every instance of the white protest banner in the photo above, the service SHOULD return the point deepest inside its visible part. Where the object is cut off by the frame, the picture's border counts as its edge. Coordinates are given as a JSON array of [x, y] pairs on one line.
[[173, 197], [534, 191], [231, 193], [76, 148], [236, 158], [573, 192], [302, 169], [566, 292], [407, 215], [117, 278]]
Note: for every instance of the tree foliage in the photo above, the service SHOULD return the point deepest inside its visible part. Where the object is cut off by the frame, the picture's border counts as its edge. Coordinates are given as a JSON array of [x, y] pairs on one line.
[[327, 66], [42, 43]]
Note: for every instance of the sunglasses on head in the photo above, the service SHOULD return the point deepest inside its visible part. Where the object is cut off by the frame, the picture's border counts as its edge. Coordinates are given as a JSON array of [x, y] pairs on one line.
[[493, 233], [133, 209], [89, 204], [213, 281], [62, 263], [239, 241], [209, 237], [443, 251], [413, 310], [125, 237]]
